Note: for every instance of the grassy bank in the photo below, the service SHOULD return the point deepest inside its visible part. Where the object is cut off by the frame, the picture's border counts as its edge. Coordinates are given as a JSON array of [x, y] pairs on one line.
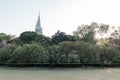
[[11, 73]]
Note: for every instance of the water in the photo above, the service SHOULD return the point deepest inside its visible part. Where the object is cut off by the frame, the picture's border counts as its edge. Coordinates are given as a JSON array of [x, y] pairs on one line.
[[7, 73]]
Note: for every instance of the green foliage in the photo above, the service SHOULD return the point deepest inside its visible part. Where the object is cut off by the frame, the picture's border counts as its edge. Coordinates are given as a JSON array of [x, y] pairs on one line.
[[93, 54], [28, 37], [108, 55], [31, 48], [87, 53], [79, 50], [54, 54], [89, 38], [16, 41], [6, 54], [4, 37], [60, 37], [43, 40], [29, 53], [116, 33], [87, 32]]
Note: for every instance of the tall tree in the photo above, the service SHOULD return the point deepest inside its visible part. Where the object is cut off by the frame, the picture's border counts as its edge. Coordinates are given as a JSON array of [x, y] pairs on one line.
[[87, 32], [61, 36], [28, 36]]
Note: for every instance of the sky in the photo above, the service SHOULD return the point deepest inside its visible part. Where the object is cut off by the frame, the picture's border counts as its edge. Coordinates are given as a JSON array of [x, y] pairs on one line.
[[17, 16]]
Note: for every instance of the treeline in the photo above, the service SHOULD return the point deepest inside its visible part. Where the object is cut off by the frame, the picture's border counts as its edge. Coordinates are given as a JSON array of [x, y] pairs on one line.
[[82, 48]]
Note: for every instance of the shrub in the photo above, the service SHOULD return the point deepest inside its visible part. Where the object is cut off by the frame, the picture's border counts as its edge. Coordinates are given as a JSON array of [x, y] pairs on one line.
[[30, 53]]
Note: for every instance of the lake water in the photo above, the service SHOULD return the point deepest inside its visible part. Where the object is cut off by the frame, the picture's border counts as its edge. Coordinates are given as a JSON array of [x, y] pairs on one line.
[[8, 73]]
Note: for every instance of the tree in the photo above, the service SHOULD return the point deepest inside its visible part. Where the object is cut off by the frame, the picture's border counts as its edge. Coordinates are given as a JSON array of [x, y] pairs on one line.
[[60, 37], [90, 37], [6, 53], [108, 55], [79, 50], [4, 37], [43, 40], [16, 41], [102, 29], [53, 54], [115, 38], [105, 42], [87, 32], [116, 33], [28, 37], [30, 53]]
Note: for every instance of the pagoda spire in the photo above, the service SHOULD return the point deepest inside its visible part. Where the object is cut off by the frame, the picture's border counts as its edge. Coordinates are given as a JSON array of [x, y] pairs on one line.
[[38, 28]]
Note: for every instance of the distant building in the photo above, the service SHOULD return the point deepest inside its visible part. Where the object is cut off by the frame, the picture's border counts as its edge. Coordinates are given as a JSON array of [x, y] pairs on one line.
[[38, 28]]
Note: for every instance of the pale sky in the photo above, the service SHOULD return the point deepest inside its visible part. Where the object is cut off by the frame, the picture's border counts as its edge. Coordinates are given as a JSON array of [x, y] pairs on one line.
[[17, 16]]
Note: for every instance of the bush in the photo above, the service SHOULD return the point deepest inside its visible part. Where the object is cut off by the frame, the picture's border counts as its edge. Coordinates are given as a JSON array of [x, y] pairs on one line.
[[5, 55], [30, 53]]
